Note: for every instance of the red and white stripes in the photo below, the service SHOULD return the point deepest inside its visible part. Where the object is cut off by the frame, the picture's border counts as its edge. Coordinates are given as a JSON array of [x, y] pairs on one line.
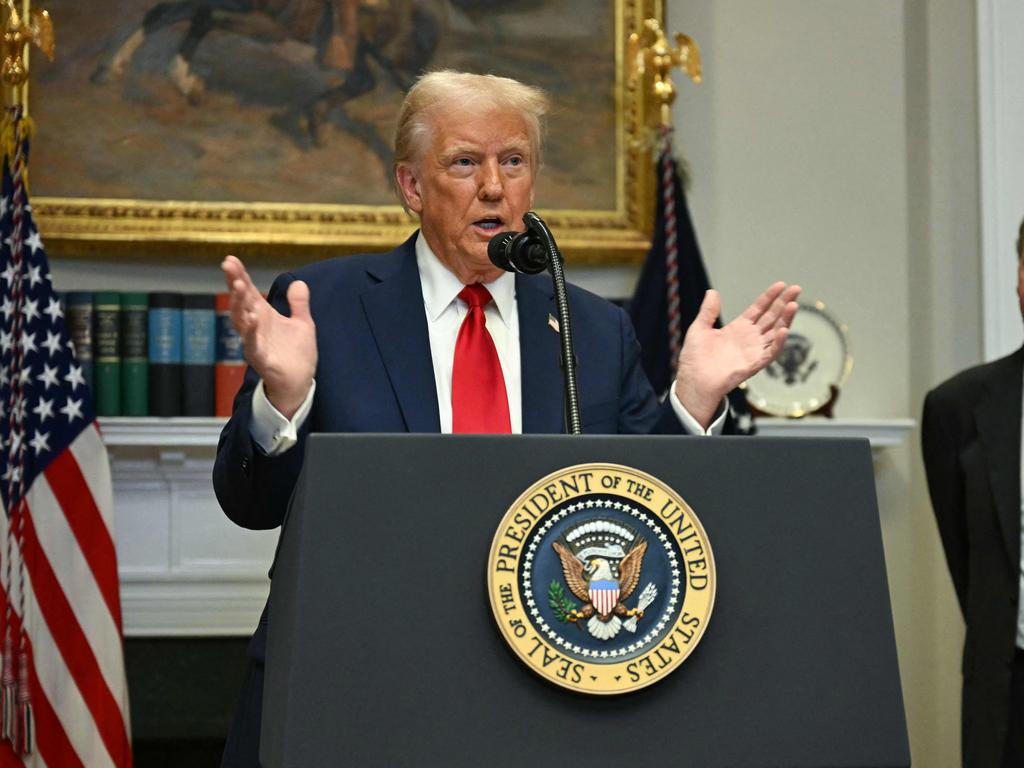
[[72, 616]]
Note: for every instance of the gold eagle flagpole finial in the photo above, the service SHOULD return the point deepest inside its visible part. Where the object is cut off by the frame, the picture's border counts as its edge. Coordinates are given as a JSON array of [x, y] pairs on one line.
[[21, 30], [649, 52]]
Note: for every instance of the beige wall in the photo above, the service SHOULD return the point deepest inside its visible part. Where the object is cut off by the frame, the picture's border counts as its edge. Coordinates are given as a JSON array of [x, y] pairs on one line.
[[833, 143]]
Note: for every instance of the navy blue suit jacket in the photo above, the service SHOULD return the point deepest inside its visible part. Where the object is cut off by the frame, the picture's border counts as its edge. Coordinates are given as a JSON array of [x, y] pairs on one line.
[[374, 374]]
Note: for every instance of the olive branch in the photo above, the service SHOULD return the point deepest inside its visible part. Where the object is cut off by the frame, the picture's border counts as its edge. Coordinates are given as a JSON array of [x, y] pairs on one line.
[[559, 602]]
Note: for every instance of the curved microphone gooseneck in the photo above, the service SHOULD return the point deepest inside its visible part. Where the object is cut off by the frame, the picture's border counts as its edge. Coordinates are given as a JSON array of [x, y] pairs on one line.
[[555, 265]]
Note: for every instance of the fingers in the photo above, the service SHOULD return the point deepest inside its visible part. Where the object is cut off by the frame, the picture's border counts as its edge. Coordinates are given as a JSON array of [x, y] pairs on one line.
[[781, 310], [236, 277], [710, 309], [778, 340], [232, 268], [298, 301], [780, 330], [777, 333], [789, 309], [764, 302], [246, 301], [792, 293]]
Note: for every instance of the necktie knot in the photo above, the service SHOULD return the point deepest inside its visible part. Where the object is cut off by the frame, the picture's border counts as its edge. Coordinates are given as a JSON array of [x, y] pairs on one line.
[[475, 295]]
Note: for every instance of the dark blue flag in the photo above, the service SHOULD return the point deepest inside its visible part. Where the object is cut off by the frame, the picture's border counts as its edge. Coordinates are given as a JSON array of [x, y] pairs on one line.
[[670, 291]]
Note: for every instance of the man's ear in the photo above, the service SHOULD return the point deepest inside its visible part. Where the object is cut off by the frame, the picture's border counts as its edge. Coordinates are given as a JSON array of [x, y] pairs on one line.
[[409, 185]]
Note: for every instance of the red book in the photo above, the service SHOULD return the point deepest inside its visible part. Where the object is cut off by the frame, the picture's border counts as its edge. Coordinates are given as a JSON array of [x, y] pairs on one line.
[[229, 368]]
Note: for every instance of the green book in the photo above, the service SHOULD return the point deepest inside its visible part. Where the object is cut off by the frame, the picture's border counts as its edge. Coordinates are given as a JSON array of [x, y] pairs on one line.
[[134, 354], [107, 346]]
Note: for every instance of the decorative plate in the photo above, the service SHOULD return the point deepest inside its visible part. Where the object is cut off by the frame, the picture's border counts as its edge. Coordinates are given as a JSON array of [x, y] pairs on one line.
[[814, 364]]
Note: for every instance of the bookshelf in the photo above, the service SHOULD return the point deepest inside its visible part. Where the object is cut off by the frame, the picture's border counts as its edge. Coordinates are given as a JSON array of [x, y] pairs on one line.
[[186, 570]]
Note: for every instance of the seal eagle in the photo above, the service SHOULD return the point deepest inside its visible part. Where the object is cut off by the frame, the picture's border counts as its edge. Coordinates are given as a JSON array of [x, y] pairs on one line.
[[603, 595]]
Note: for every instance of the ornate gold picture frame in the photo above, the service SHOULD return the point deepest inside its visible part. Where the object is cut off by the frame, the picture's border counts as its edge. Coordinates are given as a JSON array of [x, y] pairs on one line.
[[263, 127]]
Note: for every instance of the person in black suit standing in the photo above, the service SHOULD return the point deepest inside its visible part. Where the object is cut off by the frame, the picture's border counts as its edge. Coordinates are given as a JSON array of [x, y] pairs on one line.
[[971, 440]]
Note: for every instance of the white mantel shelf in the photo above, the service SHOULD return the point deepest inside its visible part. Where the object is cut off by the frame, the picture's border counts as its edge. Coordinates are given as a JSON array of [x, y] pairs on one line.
[[883, 433], [184, 432], [186, 570], [180, 432]]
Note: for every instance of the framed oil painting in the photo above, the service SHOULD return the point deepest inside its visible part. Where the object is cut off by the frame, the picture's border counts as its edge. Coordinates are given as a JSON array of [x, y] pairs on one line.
[[265, 126]]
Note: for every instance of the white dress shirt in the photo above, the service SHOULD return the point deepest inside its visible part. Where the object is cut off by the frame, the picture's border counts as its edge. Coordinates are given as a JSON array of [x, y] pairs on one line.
[[445, 311]]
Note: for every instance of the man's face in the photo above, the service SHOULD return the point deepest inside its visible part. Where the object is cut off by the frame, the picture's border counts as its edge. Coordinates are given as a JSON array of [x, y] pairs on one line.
[[474, 180]]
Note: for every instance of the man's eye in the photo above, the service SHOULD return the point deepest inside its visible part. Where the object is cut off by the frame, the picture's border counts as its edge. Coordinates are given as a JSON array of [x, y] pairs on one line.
[[515, 160], [464, 162]]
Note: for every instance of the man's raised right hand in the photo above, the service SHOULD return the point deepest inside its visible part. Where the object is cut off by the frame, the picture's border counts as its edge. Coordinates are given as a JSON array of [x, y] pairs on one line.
[[282, 350]]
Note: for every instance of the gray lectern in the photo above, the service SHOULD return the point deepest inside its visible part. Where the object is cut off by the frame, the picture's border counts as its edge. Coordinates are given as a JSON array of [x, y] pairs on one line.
[[383, 650]]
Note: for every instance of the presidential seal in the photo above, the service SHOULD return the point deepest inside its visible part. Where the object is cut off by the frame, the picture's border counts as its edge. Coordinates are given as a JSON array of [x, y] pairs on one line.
[[601, 578]]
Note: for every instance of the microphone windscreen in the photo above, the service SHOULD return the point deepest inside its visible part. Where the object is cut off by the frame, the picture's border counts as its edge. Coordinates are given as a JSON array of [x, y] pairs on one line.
[[498, 250]]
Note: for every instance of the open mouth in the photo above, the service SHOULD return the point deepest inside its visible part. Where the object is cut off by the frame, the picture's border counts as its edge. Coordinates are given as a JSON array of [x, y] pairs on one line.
[[489, 224]]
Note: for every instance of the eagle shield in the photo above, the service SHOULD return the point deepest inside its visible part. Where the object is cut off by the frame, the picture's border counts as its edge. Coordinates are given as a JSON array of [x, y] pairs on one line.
[[604, 594]]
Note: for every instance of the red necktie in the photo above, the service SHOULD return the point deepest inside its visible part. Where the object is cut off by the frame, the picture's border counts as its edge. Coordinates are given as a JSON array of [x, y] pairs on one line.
[[479, 399]]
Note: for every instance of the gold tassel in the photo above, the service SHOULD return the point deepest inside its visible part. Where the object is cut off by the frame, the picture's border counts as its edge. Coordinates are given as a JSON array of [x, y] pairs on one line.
[[11, 129]]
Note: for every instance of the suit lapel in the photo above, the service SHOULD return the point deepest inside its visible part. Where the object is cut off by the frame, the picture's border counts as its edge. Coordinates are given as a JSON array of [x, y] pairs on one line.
[[998, 419], [539, 358], [394, 310]]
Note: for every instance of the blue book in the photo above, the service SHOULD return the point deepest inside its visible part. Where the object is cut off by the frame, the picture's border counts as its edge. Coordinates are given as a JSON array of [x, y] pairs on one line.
[[165, 353], [199, 352]]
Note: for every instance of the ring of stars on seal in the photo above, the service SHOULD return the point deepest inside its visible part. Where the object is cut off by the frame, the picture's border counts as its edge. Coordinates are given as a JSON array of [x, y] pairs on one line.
[[601, 578]]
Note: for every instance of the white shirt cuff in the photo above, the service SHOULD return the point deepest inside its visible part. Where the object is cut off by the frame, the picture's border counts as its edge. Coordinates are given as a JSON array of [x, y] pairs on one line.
[[692, 425], [270, 430]]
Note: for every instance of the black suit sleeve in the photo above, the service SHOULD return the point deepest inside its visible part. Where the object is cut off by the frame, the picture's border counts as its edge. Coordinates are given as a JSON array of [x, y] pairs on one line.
[[941, 450]]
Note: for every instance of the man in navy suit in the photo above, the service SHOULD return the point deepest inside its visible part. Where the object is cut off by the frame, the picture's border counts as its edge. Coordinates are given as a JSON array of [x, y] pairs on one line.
[[372, 343]]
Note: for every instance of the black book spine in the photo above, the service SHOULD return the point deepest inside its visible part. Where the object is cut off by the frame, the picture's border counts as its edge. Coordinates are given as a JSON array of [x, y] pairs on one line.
[[78, 305], [165, 354], [199, 352], [107, 347]]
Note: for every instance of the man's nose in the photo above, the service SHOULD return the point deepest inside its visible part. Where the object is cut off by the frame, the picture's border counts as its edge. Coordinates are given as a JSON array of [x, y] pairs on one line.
[[491, 185]]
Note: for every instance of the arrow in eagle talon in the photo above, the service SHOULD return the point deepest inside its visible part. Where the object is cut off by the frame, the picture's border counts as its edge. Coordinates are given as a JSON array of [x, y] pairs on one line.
[[646, 598]]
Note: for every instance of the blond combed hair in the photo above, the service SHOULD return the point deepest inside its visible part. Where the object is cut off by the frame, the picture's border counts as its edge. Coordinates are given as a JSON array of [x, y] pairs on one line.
[[447, 88]]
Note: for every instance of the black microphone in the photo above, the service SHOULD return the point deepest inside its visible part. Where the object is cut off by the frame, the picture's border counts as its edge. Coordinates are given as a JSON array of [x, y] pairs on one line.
[[518, 252], [531, 252]]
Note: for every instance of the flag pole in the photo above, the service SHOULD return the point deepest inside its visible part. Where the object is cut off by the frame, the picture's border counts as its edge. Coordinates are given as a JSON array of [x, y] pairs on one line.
[[26, 10]]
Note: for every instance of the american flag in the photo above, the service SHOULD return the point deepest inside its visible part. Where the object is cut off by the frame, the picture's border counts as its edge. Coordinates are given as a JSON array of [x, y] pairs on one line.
[[62, 681]]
